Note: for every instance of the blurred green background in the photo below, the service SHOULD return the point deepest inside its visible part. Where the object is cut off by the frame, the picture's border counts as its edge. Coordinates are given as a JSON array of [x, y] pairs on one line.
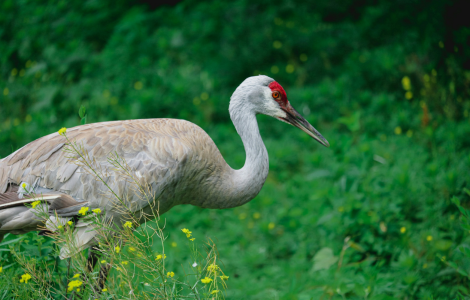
[[386, 82]]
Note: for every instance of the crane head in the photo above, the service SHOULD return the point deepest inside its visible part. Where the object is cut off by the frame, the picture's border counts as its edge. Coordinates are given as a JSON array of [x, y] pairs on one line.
[[266, 96], [291, 116]]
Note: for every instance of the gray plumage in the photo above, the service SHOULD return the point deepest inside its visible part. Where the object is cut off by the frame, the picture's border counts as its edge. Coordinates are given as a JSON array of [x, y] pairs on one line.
[[176, 158]]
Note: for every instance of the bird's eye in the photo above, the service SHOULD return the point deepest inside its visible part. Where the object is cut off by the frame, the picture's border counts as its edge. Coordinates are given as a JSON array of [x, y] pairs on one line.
[[275, 95]]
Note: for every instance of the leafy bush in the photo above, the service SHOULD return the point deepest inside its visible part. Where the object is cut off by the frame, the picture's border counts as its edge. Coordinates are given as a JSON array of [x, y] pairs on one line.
[[385, 82]]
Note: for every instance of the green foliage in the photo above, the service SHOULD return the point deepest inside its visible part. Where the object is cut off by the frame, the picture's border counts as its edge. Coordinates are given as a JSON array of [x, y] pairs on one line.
[[462, 269], [387, 83], [82, 114]]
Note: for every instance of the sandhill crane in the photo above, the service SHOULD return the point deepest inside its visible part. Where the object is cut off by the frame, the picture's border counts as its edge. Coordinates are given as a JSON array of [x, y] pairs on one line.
[[176, 157]]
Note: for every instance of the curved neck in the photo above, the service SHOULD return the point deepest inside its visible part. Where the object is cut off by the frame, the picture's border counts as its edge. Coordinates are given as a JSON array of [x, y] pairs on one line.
[[249, 180]]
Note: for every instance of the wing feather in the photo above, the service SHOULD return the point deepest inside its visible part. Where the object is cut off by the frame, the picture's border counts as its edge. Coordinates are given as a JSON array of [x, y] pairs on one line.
[[158, 149]]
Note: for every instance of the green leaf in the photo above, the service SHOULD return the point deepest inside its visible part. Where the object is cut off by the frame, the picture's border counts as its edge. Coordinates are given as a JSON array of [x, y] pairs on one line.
[[462, 210], [12, 241], [443, 245], [323, 259], [465, 251], [456, 267], [7, 266], [410, 278], [466, 191], [82, 111]]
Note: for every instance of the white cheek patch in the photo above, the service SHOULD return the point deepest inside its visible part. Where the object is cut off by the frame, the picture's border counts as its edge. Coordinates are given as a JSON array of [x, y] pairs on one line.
[[271, 107]]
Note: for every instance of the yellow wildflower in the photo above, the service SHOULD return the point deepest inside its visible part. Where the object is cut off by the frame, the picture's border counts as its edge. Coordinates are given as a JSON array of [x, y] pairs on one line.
[[403, 229], [35, 203], [117, 249], [174, 244], [212, 268], [192, 239], [103, 261], [1, 269], [132, 249], [70, 222], [62, 131], [104, 290], [23, 185], [119, 269], [76, 275], [96, 211], [60, 227], [74, 284], [406, 83], [128, 224], [125, 262], [223, 277], [271, 225], [25, 278], [206, 280], [429, 238], [170, 274], [83, 210], [214, 292], [159, 256], [187, 232]]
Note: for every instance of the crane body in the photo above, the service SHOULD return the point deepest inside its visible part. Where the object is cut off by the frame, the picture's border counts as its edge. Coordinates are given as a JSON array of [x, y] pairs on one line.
[[176, 158]]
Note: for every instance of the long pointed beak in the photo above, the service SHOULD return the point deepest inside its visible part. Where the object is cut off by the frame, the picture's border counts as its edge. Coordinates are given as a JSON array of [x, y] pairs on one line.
[[295, 119]]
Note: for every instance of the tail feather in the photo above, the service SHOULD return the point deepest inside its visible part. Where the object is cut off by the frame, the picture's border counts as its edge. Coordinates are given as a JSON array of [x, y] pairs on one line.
[[19, 220], [17, 217]]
